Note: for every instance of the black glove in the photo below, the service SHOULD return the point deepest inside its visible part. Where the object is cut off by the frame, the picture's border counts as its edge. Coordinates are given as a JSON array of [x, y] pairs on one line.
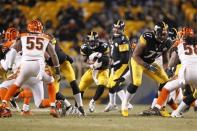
[[57, 74], [70, 59], [150, 67], [169, 72], [119, 80]]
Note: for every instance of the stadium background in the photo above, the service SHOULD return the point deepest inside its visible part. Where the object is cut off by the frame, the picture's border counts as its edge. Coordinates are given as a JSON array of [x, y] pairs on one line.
[[70, 20]]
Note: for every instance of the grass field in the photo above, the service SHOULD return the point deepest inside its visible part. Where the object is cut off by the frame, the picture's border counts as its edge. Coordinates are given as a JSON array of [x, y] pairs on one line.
[[99, 121]]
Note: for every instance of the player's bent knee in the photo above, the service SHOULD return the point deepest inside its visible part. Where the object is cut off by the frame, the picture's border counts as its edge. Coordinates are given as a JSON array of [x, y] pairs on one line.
[[132, 88]]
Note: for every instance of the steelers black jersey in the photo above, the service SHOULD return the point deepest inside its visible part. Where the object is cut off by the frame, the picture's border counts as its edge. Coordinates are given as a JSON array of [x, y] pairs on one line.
[[87, 51], [61, 56], [154, 48], [120, 49], [102, 48]]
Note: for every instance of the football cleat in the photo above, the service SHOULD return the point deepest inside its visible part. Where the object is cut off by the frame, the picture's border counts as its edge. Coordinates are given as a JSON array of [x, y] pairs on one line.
[[14, 105], [176, 114], [81, 111], [75, 110], [67, 110], [115, 107], [110, 107], [91, 106], [5, 112], [164, 112], [152, 112], [26, 113], [125, 113], [130, 106], [54, 112]]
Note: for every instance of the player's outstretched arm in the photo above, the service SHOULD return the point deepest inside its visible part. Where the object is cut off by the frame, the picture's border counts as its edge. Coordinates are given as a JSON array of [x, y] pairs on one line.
[[137, 53], [51, 51], [13, 51]]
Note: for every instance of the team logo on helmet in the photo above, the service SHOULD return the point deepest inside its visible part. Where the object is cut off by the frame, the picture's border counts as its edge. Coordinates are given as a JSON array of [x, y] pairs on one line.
[[11, 34], [161, 31], [172, 33], [35, 26], [118, 28], [92, 39]]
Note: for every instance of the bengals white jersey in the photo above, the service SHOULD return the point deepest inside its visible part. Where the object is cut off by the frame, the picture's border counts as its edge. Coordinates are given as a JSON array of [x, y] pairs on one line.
[[187, 53], [34, 46]]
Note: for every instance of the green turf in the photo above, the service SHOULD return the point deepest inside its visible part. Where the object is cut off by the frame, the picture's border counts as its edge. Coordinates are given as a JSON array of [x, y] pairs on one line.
[[99, 121]]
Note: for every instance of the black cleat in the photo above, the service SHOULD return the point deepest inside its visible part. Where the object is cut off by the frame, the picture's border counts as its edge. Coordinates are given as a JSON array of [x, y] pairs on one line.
[[81, 111], [14, 105], [152, 112]]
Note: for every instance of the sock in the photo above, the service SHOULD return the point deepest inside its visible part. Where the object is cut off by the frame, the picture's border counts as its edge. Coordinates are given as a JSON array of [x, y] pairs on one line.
[[82, 92], [51, 94], [181, 107], [121, 94], [25, 107], [45, 103], [127, 98], [153, 103], [78, 99], [111, 98], [162, 98], [11, 91], [114, 98], [26, 93], [75, 87], [99, 92], [3, 92], [67, 103], [111, 95]]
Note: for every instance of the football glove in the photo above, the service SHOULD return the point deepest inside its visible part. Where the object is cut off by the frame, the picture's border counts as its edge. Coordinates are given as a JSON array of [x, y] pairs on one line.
[[151, 67], [57, 74], [169, 72]]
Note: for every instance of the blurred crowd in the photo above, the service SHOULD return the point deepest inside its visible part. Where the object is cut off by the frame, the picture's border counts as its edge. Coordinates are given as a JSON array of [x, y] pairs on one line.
[[72, 23]]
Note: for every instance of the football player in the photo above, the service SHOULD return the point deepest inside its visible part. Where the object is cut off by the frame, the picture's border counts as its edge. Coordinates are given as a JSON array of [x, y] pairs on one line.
[[120, 55], [68, 72], [95, 53], [33, 45], [151, 46], [187, 75], [11, 34]]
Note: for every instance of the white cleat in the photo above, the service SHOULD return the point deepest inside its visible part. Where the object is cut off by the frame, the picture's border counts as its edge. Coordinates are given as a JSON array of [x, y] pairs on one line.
[[176, 114], [70, 110], [110, 107], [130, 106], [91, 106], [115, 107]]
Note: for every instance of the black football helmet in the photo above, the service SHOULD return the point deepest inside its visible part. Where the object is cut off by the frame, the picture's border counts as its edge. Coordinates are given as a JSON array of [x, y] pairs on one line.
[[118, 28], [92, 39], [161, 31], [172, 33]]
